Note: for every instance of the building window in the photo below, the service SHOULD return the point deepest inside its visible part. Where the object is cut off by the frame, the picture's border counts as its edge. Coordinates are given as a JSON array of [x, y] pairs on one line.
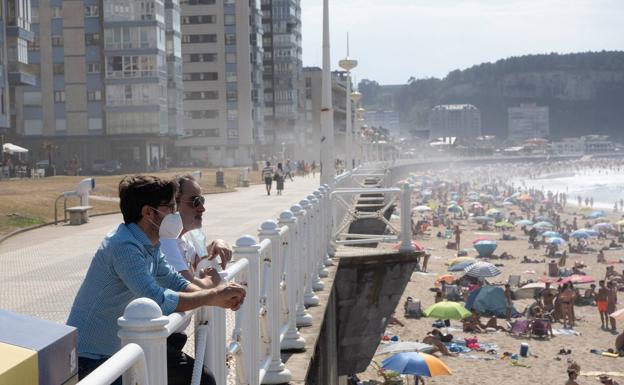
[[197, 2], [201, 95], [204, 114], [34, 45], [199, 57], [230, 39], [92, 11], [232, 115], [230, 76], [200, 76], [61, 125], [94, 95], [58, 68], [92, 38], [199, 19], [231, 96], [201, 38], [57, 40], [230, 58], [93, 68], [32, 98], [230, 20], [232, 133], [59, 96], [57, 12]]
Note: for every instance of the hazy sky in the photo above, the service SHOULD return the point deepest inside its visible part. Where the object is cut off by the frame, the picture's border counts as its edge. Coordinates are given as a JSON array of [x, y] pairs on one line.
[[396, 39]]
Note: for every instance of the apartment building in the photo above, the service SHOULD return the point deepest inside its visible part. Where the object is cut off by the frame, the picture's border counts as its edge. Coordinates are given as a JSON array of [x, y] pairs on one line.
[[528, 121], [460, 121], [283, 77], [102, 85], [221, 52]]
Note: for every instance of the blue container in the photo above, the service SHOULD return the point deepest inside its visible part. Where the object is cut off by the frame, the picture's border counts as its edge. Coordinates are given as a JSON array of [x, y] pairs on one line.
[[524, 349]]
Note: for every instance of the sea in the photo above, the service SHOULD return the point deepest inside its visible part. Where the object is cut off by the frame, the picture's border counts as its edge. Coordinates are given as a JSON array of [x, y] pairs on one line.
[[603, 185]]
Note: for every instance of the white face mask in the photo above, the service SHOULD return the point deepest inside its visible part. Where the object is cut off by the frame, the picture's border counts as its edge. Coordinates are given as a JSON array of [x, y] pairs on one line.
[[171, 226]]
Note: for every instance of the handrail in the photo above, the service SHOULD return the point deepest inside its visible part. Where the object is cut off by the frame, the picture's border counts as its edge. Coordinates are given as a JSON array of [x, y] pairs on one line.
[[129, 358]]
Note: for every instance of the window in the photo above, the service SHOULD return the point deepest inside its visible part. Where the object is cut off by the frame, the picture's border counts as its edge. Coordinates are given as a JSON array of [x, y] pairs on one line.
[[196, 2], [92, 11], [92, 38], [231, 96], [34, 45], [59, 96], [199, 19], [94, 95], [93, 68], [201, 95], [230, 20], [230, 76], [230, 38], [199, 57], [130, 66], [58, 68], [232, 114], [32, 98], [232, 133], [57, 12], [57, 40], [200, 76], [204, 114], [202, 38], [230, 58], [61, 125]]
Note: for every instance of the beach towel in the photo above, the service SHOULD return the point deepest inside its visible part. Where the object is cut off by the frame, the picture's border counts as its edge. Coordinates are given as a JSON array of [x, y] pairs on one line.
[[457, 347], [565, 332]]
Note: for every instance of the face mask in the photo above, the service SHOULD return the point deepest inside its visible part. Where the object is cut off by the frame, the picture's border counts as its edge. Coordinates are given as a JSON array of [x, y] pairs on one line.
[[170, 227]]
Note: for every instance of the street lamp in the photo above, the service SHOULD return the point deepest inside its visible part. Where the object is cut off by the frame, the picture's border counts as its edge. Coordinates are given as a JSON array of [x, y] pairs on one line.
[[328, 170], [357, 155], [348, 64]]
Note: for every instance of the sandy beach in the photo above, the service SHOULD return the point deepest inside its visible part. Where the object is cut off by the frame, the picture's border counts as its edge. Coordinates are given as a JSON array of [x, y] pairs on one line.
[[544, 365]]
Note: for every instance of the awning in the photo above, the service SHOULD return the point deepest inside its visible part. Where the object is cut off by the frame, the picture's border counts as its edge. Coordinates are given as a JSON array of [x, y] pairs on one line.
[[11, 148]]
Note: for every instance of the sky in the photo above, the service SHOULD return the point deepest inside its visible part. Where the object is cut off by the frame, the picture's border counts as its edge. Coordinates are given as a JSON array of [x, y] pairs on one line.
[[396, 39]]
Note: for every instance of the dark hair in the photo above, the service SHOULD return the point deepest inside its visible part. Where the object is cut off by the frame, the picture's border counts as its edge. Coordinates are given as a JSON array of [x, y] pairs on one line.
[[136, 191], [180, 181]]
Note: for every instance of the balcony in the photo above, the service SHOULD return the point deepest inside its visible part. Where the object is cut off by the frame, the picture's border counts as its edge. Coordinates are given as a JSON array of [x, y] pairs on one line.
[[21, 74]]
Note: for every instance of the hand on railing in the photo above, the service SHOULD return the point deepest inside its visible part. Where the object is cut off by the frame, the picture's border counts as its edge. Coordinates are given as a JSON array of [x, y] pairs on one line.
[[229, 296]]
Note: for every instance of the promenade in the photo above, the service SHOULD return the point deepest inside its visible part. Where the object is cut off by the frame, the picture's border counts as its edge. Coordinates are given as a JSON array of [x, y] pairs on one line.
[[42, 269]]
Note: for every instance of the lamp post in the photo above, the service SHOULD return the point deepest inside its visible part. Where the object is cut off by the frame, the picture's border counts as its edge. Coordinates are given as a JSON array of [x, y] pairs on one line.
[[327, 111], [355, 98], [348, 64]]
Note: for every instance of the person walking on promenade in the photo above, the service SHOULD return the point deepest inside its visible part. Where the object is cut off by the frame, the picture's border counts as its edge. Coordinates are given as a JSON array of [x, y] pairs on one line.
[[129, 265], [267, 175], [288, 168], [313, 167], [279, 179]]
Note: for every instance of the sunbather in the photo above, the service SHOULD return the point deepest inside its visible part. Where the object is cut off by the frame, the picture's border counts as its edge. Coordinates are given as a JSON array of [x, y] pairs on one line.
[[433, 339], [493, 323], [472, 323]]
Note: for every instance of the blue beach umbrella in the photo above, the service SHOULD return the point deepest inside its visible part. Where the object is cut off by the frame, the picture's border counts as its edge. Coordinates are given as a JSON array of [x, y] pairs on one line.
[[460, 266], [596, 214], [417, 364], [543, 225], [544, 219], [556, 241], [579, 234], [485, 248], [591, 233], [551, 234], [524, 222]]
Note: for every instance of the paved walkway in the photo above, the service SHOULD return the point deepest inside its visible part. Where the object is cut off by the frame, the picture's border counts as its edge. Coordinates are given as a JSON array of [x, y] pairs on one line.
[[43, 269]]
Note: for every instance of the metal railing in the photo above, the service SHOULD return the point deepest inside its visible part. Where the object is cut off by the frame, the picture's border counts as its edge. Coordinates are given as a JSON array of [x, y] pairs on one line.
[[280, 271]]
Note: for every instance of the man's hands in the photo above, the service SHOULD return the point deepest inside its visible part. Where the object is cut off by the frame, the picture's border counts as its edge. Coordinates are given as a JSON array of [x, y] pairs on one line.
[[229, 296], [220, 248]]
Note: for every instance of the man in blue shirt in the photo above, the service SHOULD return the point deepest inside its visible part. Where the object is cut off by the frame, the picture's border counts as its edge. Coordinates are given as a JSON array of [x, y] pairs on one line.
[[129, 265]]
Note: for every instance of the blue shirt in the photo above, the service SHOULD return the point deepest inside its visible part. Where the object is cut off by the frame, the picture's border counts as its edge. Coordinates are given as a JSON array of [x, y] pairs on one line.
[[125, 267]]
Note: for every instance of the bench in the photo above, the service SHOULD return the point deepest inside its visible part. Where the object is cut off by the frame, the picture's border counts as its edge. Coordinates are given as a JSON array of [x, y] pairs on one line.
[[78, 214]]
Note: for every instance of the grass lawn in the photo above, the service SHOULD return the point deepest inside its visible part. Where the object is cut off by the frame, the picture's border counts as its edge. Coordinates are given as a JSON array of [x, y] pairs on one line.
[[28, 202]]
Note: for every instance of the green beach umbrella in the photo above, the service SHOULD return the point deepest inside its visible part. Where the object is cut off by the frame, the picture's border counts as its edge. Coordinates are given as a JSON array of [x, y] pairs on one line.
[[447, 310], [504, 225]]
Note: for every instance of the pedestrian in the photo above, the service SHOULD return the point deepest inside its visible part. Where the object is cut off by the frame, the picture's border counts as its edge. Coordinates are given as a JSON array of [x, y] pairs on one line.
[[279, 179], [611, 301], [288, 170], [457, 232], [602, 302], [267, 174], [313, 167]]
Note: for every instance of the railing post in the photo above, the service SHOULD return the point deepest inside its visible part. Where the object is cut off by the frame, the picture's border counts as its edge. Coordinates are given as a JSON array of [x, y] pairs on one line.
[[247, 247], [331, 221], [143, 324], [406, 219], [215, 352], [320, 249], [317, 284], [292, 339], [309, 298], [326, 227], [303, 317], [276, 373]]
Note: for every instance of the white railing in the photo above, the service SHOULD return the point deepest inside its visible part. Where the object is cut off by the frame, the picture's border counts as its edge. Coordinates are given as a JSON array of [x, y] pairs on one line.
[[280, 271]]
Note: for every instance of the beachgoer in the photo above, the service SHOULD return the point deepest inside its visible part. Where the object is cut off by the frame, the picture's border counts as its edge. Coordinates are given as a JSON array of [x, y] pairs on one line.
[[611, 302], [600, 258], [267, 175], [548, 297], [457, 232], [433, 338], [472, 323], [567, 301], [279, 179], [508, 302], [602, 302], [129, 265]]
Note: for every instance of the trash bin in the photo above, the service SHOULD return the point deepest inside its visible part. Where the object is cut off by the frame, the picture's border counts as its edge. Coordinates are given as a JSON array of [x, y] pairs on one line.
[[220, 178]]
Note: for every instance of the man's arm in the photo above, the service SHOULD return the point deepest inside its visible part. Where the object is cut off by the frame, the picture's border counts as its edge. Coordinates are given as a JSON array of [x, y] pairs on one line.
[[208, 278], [230, 296]]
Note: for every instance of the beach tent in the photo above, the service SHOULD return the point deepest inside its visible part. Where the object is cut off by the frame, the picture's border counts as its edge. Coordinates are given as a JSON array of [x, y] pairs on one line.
[[488, 300]]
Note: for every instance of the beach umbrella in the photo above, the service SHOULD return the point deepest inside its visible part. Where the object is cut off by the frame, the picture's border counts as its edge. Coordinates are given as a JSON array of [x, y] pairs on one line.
[[421, 208], [596, 214], [417, 246], [447, 278], [543, 225], [544, 219], [447, 310], [577, 278], [602, 227], [457, 260], [405, 346], [618, 315], [524, 222], [417, 364], [485, 248], [579, 234], [480, 239], [556, 241], [551, 234], [454, 209], [492, 212], [482, 270], [503, 225], [461, 266], [482, 219], [591, 232]]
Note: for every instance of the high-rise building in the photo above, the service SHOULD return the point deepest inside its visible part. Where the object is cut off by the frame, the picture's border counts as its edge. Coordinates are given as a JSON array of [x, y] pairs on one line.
[[528, 121], [460, 121], [103, 90], [283, 76], [222, 81]]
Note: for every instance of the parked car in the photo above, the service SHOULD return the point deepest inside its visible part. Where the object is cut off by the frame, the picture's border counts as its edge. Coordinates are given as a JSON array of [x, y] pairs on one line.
[[106, 167]]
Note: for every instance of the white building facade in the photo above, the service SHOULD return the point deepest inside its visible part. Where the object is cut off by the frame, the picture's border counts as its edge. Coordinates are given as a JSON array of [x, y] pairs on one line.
[[528, 121]]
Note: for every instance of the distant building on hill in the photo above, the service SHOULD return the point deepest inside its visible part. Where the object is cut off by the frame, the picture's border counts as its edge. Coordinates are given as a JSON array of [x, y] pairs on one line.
[[462, 121], [585, 145], [385, 119], [528, 121]]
